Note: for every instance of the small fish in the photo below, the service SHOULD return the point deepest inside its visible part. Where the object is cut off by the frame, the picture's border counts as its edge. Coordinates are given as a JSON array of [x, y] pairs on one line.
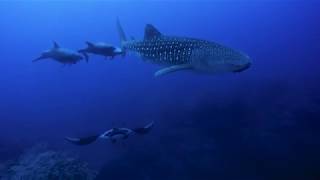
[[103, 49], [61, 55], [183, 53], [113, 135]]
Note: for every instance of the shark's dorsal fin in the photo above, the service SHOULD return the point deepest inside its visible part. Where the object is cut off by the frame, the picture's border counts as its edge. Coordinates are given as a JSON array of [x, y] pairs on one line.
[[150, 32], [171, 69], [90, 44], [55, 45]]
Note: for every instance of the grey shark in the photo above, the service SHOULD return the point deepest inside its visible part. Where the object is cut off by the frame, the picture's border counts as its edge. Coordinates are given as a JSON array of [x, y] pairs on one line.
[[183, 53], [113, 135], [61, 55], [103, 49]]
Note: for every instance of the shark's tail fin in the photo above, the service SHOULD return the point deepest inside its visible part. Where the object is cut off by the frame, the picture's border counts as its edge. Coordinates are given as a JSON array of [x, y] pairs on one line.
[[122, 36], [121, 33]]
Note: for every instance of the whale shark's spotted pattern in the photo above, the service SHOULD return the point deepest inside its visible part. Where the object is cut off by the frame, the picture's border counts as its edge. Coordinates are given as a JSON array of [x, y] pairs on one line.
[[175, 50], [181, 53], [167, 50]]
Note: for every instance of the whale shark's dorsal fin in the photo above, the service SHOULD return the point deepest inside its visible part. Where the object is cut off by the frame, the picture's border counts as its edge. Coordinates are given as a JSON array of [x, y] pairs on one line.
[[55, 45], [150, 32], [90, 44]]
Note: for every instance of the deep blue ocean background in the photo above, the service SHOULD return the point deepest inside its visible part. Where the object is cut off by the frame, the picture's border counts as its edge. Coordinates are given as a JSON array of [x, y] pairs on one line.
[[259, 124]]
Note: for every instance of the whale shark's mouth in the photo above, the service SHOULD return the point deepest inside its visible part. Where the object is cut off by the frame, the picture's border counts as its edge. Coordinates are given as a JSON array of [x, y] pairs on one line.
[[242, 68]]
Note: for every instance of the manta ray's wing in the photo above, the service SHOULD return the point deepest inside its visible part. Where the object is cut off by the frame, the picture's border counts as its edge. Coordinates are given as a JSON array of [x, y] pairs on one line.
[[82, 141], [144, 130]]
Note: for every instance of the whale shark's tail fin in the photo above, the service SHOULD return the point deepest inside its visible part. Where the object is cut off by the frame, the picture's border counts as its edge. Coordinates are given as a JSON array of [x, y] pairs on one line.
[[121, 33], [122, 36], [146, 129], [82, 141]]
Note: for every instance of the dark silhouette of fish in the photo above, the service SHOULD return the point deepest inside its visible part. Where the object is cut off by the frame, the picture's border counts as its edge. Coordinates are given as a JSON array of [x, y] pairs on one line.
[[61, 55], [113, 135], [182, 53], [102, 49]]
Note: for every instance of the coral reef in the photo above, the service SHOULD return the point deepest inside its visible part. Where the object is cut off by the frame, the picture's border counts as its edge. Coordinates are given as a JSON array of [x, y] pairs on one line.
[[39, 163]]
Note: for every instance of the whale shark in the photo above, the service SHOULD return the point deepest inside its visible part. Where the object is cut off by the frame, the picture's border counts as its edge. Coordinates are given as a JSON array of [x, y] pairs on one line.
[[184, 53], [113, 135], [61, 55], [100, 48]]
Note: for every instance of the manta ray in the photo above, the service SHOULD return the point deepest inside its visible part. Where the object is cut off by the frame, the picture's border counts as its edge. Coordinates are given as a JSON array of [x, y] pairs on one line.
[[113, 135]]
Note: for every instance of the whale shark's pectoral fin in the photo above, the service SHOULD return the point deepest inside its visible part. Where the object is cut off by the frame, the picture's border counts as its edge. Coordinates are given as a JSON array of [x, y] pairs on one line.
[[171, 69]]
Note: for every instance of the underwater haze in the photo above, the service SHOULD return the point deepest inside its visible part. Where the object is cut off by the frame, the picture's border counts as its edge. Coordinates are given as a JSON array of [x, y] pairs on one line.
[[259, 124]]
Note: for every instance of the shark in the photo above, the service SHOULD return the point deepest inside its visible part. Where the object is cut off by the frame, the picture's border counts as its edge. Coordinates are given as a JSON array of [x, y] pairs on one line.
[[61, 55], [184, 53], [102, 49]]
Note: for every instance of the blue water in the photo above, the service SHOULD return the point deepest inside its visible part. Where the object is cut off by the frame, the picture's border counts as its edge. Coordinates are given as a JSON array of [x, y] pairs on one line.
[[259, 124]]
